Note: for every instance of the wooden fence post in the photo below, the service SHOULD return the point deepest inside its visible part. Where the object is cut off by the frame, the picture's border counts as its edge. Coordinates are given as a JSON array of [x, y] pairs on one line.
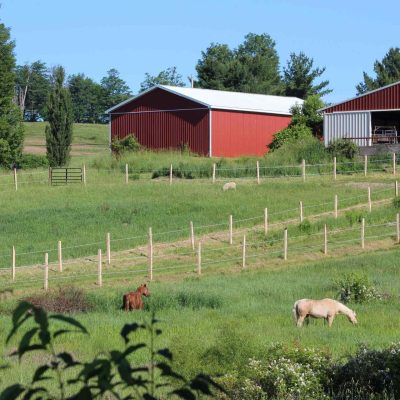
[[303, 169], [396, 189], [230, 229], [150, 255], [108, 248], [334, 168], [394, 164], [46, 271], [126, 173], [336, 206], [15, 179], [84, 174], [365, 165], [244, 252], [170, 174], [301, 211], [285, 244], [265, 221], [213, 172], [325, 240], [363, 233], [369, 199], [13, 264], [59, 253], [258, 172], [192, 234], [199, 258], [398, 228], [99, 269]]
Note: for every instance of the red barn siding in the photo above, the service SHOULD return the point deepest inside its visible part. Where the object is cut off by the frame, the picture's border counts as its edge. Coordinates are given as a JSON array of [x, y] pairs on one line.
[[383, 99], [157, 128], [235, 133]]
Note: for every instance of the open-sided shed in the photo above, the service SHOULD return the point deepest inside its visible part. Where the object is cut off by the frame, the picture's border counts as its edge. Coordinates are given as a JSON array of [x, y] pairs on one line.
[[210, 122]]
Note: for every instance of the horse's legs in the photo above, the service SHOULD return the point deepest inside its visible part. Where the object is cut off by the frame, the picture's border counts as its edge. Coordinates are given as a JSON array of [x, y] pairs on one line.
[[330, 319], [300, 321]]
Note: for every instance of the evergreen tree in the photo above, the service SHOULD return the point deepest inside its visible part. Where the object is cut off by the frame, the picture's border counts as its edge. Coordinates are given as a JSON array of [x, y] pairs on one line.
[[387, 71], [60, 117], [11, 129], [115, 89], [299, 77]]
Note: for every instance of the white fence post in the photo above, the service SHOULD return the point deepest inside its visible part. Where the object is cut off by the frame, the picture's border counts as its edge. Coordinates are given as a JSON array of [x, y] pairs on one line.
[[396, 189], [199, 258], [301, 211], [335, 210], [258, 172], [334, 168], [325, 240], [303, 169], [150, 254], [244, 252], [13, 263], [126, 173], [285, 244], [46, 271], [170, 174], [230, 229], [265, 221], [192, 234], [99, 269], [84, 174], [394, 164], [59, 253], [15, 179], [213, 173], [108, 248]]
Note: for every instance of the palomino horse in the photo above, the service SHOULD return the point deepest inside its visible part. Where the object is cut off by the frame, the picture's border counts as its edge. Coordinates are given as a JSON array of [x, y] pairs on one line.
[[133, 300], [326, 308]]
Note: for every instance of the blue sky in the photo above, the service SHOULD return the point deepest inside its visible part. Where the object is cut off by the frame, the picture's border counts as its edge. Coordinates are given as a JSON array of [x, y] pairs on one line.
[[135, 37]]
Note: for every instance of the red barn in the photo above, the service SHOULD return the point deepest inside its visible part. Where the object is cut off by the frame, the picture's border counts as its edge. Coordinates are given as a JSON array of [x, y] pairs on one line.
[[210, 122]]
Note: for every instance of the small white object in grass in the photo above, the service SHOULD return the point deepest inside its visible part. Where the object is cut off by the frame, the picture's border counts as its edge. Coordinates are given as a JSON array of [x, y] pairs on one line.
[[229, 186]]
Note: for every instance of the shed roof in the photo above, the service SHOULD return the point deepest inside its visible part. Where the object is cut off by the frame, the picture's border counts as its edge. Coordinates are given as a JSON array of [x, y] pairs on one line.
[[224, 100]]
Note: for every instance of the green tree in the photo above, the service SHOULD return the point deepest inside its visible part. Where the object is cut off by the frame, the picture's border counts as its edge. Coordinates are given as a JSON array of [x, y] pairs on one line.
[[60, 117], [252, 67], [170, 76], [87, 98], [387, 71], [33, 88], [115, 88], [11, 129], [307, 114], [299, 77]]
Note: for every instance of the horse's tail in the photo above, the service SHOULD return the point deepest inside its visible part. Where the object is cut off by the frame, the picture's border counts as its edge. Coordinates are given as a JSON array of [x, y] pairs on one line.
[[124, 302], [295, 311]]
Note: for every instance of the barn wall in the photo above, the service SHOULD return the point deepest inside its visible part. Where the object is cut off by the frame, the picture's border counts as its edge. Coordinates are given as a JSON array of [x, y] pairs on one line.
[[383, 99], [237, 134], [162, 120], [347, 125]]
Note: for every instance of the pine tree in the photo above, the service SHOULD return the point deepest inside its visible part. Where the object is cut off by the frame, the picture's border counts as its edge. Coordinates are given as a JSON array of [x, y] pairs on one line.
[[60, 117], [11, 129]]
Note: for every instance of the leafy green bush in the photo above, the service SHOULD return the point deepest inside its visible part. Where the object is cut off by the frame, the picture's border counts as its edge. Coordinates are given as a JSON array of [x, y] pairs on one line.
[[29, 161], [290, 134], [396, 202], [355, 216], [127, 144], [357, 288], [343, 148]]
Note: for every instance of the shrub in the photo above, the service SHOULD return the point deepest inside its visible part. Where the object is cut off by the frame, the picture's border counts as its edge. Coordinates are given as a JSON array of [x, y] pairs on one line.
[[343, 148], [127, 144], [357, 288], [33, 161], [396, 202], [377, 372], [305, 227], [355, 216], [64, 300], [290, 134]]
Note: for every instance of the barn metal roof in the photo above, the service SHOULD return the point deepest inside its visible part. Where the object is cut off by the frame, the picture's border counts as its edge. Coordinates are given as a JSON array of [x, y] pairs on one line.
[[224, 100]]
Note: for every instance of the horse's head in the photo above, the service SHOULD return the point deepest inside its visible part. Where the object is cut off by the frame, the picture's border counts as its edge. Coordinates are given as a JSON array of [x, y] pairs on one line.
[[352, 317], [143, 290]]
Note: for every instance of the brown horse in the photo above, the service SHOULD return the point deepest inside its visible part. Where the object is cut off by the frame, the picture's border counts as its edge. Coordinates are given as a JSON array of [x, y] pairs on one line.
[[133, 300]]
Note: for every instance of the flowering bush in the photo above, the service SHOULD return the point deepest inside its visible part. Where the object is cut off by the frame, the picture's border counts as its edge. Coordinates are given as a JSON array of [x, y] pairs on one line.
[[357, 288]]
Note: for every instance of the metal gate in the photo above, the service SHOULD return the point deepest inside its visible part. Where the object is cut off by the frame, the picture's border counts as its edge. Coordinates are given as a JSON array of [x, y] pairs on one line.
[[64, 176]]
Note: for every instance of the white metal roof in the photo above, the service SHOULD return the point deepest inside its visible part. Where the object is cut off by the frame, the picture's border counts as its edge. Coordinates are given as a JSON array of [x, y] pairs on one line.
[[237, 101]]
